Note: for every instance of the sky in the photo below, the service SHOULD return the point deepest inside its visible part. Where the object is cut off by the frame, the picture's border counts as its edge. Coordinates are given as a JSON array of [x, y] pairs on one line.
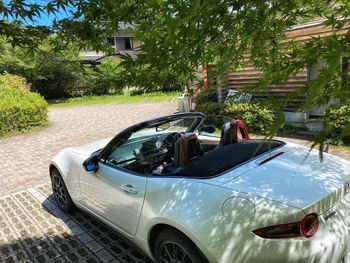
[[44, 19]]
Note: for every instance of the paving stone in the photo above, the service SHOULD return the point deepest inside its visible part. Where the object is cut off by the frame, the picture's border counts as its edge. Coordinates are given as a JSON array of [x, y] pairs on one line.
[[85, 238], [18, 256], [94, 246], [27, 156], [32, 228], [104, 255], [29, 232]]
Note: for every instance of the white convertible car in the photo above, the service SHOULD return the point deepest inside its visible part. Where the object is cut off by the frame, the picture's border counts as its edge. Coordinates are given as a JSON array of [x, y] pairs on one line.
[[189, 188]]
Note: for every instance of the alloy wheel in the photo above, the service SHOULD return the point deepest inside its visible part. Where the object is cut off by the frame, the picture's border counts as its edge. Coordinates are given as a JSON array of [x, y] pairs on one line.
[[174, 253], [58, 190]]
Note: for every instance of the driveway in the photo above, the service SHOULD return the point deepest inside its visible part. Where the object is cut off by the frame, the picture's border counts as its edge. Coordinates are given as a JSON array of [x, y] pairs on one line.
[[25, 158], [32, 228]]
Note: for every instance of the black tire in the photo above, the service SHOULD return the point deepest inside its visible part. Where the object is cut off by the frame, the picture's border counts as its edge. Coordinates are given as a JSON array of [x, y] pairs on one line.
[[171, 243], [60, 192]]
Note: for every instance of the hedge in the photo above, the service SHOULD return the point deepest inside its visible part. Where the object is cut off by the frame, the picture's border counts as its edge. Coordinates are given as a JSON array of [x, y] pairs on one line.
[[20, 109], [338, 119], [258, 117]]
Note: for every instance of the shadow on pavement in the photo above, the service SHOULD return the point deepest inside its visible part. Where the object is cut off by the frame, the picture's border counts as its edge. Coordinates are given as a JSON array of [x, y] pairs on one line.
[[33, 229]]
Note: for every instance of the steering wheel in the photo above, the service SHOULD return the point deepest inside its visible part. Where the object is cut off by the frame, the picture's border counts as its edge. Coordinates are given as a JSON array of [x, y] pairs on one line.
[[169, 144], [170, 140]]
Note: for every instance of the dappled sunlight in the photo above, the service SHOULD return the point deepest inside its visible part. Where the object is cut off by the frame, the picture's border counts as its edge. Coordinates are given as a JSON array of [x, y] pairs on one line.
[[33, 229], [328, 245], [297, 178], [228, 215], [202, 211], [113, 204]]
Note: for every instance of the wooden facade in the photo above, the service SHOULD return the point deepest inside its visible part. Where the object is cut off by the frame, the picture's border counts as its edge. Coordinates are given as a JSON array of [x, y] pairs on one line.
[[240, 79]]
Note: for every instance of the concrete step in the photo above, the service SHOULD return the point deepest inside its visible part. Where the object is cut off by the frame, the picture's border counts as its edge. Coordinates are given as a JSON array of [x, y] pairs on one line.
[[315, 125]]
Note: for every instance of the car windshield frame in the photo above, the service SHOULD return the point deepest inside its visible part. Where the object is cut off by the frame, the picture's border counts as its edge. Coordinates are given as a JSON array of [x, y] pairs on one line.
[[123, 136]]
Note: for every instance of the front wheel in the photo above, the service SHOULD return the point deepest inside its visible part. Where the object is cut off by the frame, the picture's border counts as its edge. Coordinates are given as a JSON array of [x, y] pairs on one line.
[[173, 247], [60, 192]]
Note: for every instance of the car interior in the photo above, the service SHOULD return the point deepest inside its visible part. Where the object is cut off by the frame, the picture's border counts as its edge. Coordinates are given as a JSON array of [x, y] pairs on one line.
[[191, 155]]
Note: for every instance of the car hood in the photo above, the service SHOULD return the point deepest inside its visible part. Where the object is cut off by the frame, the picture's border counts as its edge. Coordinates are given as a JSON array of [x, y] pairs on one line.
[[91, 147], [297, 178]]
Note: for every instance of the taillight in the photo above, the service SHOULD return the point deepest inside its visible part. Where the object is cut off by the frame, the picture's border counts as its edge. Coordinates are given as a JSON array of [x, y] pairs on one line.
[[309, 225], [305, 228]]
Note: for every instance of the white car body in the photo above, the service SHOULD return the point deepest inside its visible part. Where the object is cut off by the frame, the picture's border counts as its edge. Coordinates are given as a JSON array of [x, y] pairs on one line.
[[218, 214]]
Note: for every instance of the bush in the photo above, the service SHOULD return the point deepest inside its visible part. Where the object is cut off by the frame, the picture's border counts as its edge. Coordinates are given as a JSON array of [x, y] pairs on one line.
[[12, 82], [258, 118], [60, 80], [210, 95], [211, 108], [338, 119], [20, 109]]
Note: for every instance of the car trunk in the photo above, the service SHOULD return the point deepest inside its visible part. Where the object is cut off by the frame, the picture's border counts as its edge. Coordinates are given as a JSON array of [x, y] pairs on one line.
[[297, 178]]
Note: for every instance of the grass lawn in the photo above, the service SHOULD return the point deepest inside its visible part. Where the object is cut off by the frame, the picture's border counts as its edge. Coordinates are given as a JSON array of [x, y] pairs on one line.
[[114, 98]]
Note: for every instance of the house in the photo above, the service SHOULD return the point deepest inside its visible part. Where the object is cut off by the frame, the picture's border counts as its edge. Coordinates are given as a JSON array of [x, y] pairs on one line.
[[122, 41], [240, 79]]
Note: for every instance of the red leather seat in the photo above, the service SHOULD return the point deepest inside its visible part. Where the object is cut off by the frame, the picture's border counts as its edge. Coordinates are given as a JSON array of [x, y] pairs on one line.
[[232, 132]]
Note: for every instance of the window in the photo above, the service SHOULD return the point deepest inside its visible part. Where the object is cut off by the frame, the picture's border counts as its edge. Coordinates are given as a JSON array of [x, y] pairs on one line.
[[132, 154], [110, 40], [124, 43], [128, 43], [345, 72]]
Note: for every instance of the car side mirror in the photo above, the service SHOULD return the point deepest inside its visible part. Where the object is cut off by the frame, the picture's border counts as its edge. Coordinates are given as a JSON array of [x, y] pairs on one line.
[[207, 128], [91, 163]]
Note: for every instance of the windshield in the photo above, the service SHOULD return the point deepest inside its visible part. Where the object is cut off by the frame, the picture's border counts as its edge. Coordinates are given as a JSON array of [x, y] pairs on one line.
[[151, 145], [181, 125]]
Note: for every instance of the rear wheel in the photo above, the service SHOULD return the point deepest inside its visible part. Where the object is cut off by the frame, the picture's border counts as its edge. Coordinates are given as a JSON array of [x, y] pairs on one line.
[[174, 247], [60, 192]]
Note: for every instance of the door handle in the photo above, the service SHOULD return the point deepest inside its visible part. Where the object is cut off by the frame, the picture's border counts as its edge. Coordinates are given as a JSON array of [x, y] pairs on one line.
[[129, 188]]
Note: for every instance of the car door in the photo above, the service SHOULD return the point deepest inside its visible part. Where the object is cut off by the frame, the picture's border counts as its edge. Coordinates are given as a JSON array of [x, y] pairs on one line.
[[114, 193]]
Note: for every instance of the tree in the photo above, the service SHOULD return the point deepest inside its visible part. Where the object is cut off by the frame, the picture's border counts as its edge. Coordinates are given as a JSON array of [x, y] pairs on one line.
[[53, 69], [178, 36]]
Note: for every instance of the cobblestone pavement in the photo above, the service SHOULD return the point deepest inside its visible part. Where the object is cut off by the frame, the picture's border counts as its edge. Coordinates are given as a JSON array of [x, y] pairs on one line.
[[25, 158], [33, 229]]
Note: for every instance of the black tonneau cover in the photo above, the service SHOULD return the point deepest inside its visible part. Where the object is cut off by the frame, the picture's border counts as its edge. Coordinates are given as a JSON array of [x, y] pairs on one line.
[[227, 157]]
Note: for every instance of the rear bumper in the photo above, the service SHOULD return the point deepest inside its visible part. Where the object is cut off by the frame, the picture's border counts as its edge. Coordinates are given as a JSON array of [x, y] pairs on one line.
[[330, 244]]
